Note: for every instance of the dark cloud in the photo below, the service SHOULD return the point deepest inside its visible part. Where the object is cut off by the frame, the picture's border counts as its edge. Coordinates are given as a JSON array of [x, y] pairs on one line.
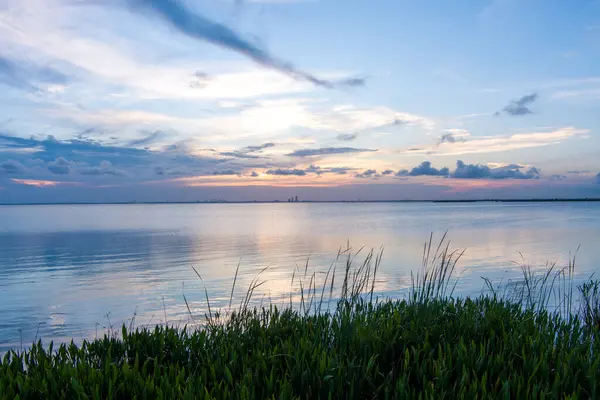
[[476, 171], [450, 138], [598, 178], [28, 76], [251, 149], [11, 167], [248, 151], [88, 156], [326, 151], [519, 107], [200, 27], [346, 136], [387, 172], [558, 177], [60, 166], [105, 168], [238, 154], [582, 172], [340, 170], [254, 174], [200, 79], [403, 172], [425, 169], [226, 172], [287, 172], [149, 138], [370, 173]]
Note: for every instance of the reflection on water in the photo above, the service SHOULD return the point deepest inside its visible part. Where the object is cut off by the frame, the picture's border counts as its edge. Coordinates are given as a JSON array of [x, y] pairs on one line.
[[70, 271]]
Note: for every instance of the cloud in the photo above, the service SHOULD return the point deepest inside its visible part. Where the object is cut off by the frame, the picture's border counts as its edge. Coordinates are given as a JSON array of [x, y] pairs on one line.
[[557, 177], [28, 76], [476, 171], [519, 107], [454, 136], [427, 170], [40, 183], [387, 172], [248, 151], [578, 172], [490, 144], [60, 166], [84, 156], [226, 172], [105, 168], [198, 26], [11, 167], [598, 178], [370, 173], [150, 138], [254, 174], [287, 172], [327, 151], [346, 136]]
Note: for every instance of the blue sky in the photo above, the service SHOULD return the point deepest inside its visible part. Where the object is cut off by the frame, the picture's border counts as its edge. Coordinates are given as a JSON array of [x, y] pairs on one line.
[[121, 100]]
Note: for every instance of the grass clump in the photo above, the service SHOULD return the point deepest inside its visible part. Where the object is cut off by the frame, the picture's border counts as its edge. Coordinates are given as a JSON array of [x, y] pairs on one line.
[[429, 345]]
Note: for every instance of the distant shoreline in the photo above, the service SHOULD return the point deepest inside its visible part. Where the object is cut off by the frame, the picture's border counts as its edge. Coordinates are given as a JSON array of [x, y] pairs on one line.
[[575, 200]]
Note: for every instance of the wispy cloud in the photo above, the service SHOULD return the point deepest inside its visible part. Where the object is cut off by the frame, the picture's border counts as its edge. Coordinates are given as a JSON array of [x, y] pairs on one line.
[[454, 136], [346, 137], [146, 140], [327, 151], [200, 27], [248, 152], [286, 172], [520, 106], [492, 144], [41, 183], [29, 76]]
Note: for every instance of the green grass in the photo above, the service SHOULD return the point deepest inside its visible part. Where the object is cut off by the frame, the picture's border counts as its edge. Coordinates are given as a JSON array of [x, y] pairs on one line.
[[429, 345]]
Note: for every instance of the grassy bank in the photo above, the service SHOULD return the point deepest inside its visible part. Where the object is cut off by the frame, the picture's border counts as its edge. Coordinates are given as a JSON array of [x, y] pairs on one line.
[[428, 345]]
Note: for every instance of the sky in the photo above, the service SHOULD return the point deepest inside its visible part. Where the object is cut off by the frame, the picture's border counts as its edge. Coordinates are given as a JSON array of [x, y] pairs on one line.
[[241, 100]]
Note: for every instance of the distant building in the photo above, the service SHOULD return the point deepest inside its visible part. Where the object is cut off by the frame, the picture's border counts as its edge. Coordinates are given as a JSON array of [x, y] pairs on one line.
[[296, 199]]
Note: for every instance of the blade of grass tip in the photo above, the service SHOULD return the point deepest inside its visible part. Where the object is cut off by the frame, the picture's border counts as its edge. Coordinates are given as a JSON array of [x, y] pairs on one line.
[[332, 284], [439, 246], [325, 283], [310, 283], [306, 265], [301, 295], [256, 286], [253, 286], [206, 293], [377, 262], [234, 281], [429, 247], [292, 288], [165, 311], [186, 302]]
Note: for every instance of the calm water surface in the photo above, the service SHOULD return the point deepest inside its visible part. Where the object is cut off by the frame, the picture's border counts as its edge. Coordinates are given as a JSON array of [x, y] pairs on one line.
[[69, 271]]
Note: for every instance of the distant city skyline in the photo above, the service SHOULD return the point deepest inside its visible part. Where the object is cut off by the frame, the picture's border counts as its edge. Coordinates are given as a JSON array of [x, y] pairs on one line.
[[139, 100]]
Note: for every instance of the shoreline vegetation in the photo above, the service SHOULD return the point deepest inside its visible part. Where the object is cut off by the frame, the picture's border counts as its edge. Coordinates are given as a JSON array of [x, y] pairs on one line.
[[336, 339]]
